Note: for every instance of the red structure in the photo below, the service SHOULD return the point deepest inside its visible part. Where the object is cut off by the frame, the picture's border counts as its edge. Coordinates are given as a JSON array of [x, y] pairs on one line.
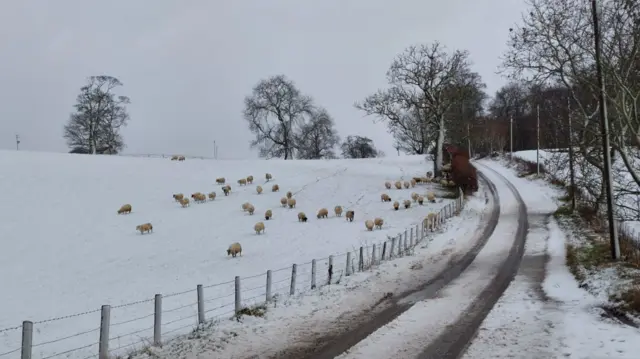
[[462, 171]]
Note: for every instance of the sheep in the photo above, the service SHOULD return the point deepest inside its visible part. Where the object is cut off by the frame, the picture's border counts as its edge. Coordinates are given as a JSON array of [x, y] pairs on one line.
[[378, 222], [178, 196], [429, 221], [242, 182], [338, 211], [275, 188], [429, 174], [250, 179], [414, 197], [396, 205], [387, 185], [181, 158], [184, 202], [251, 209], [234, 250], [268, 215], [259, 189], [398, 185], [145, 227], [417, 179], [174, 158], [226, 189], [259, 227], [435, 180], [245, 206], [212, 196], [283, 201], [302, 217], [446, 168], [369, 224], [201, 198], [291, 202], [220, 180], [407, 184], [289, 194], [425, 180], [323, 213], [385, 197], [420, 200], [414, 182], [126, 208], [444, 182], [431, 197], [268, 177], [451, 184], [407, 204], [350, 215]]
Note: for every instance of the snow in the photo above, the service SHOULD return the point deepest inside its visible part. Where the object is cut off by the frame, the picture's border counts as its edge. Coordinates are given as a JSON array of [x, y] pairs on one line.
[[66, 251], [554, 318], [297, 320]]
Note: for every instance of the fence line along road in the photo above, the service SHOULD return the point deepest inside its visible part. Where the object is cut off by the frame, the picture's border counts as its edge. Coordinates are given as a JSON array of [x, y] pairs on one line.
[[116, 330]]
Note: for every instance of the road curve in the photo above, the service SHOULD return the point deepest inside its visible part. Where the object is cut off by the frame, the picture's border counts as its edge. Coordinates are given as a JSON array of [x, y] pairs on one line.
[[334, 344], [453, 342]]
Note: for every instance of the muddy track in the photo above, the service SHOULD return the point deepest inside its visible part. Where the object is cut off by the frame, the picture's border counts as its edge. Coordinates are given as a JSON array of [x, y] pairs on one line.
[[453, 342], [356, 329]]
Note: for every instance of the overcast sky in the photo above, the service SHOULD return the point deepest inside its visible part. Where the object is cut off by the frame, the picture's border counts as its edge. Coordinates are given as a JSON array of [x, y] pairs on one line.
[[187, 65]]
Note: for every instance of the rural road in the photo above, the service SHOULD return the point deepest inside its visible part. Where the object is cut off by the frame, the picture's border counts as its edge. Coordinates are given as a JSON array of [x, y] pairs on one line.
[[452, 342]]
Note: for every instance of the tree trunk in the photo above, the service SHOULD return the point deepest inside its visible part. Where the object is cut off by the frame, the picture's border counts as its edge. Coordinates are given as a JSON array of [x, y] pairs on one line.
[[437, 166]]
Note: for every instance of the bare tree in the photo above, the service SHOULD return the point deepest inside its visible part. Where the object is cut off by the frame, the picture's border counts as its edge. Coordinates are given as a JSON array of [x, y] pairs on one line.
[[318, 137], [275, 111], [359, 147], [95, 125]]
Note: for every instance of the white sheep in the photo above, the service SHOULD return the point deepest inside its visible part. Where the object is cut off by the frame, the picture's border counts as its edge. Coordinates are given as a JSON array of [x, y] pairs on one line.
[[234, 249], [259, 227], [259, 189], [378, 222], [369, 224]]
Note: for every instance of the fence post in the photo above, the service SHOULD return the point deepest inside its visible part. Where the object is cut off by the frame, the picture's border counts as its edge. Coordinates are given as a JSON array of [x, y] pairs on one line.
[[313, 274], [27, 339], [417, 235], [238, 299], [399, 244], [294, 270], [268, 291], [393, 245], [157, 320], [200, 304], [373, 255], [330, 270], [348, 270], [384, 250], [411, 238], [103, 344], [361, 260]]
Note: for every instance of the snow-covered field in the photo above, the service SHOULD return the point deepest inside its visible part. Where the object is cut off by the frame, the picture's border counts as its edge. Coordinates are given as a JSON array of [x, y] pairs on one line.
[[548, 316], [66, 251]]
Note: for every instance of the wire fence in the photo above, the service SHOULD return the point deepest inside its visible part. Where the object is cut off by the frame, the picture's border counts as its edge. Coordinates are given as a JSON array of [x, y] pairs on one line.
[[114, 331]]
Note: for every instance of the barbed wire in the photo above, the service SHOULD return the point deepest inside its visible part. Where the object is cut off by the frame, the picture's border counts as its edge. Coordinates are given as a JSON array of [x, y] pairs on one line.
[[9, 329], [65, 338], [55, 319], [70, 351], [180, 319], [132, 320], [178, 308], [130, 334], [10, 352]]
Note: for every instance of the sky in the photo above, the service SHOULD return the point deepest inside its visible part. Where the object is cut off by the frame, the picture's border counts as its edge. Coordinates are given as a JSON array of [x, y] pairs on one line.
[[188, 65]]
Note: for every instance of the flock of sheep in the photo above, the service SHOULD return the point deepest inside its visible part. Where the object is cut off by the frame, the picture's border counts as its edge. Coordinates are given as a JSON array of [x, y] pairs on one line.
[[290, 202]]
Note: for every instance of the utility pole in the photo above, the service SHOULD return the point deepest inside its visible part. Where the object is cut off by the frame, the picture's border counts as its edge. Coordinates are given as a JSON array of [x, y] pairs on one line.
[[17, 142], [538, 140], [511, 135], [604, 129], [572, 174]]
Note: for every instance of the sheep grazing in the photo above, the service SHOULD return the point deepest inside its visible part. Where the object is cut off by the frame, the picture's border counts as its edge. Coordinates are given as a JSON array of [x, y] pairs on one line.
[[369, 224], [323, 213], [407, 204], [181, 158], [283, 201], [126, 208], [245, 206], [414, 182], [431, 197], [250, 179], [251, 209], [385, 197], [378, 222], [425, 180], [387, 185], [242, 182], [174, 158], [350, 215], [201, 198], [184, 202], [226, 189], [146, 227], [429, 174], [212, 196], [407, 184], [420, 200], [259, 227], [396, 205], [234, 249], [259, 189], [178, 196], [291, 202], [289, 194], [338, 211], [398, 185], [268, 214], [268, 177], [302, 217], [220, 180], [275, 188], [414, 197]]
